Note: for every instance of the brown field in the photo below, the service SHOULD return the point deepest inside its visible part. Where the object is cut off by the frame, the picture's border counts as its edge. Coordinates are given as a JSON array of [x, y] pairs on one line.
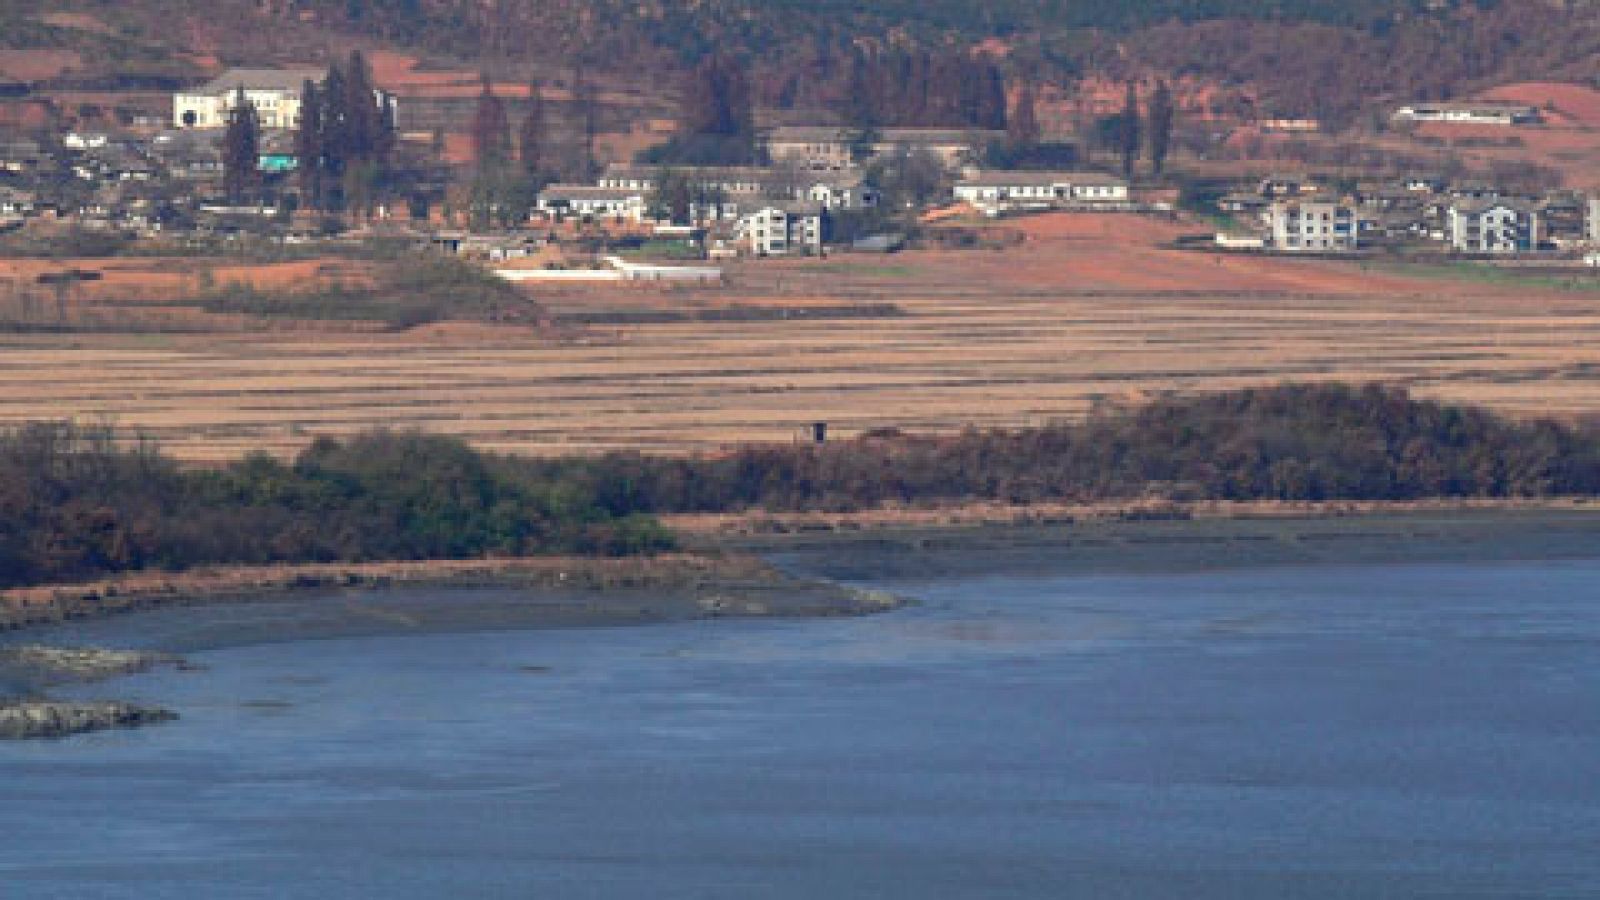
[[1088, 307]]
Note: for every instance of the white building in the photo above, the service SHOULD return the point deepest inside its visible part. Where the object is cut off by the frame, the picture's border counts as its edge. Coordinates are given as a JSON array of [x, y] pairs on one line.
[[1493, 226], [275, 93], [84, 140], [776, 231], [728, 192], [1022, 190], [1310, 227], [1468, 113], [833, 148], [595, 202]]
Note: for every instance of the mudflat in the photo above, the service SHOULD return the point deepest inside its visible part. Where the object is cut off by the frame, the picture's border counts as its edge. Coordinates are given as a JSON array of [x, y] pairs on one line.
[[1185, 545]]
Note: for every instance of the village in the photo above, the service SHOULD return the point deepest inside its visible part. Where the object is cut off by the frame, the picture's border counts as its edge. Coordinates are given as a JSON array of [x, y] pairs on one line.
[[815, 190]]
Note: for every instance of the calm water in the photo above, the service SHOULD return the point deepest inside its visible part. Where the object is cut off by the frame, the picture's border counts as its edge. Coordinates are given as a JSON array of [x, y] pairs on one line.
[[1308, 733]]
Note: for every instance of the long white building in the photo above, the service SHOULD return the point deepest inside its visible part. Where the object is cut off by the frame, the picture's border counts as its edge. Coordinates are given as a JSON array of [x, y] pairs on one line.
[[1014, 190]]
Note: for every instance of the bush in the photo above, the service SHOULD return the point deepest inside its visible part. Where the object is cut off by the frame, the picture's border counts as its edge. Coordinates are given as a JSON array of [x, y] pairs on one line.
[[74, 503]]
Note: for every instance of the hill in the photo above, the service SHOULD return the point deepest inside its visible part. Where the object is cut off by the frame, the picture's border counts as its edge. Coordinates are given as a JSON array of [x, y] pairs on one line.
[[1307, 57]]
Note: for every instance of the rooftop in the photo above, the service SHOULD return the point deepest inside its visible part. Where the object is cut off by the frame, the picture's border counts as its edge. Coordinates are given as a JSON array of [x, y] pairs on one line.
[[588, 192], [1475, 206], [261, 79], [1007, 179]]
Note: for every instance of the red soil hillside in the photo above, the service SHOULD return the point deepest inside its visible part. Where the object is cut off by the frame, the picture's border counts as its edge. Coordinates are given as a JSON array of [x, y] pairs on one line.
[[1565, 104]]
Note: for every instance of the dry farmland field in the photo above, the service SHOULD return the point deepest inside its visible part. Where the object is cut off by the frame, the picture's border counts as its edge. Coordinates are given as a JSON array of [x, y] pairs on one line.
[[1087, 307]]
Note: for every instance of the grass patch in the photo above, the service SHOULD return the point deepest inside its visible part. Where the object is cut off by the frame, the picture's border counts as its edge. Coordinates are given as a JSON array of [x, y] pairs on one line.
[[862, 268], [1487, 273], [407, 293]]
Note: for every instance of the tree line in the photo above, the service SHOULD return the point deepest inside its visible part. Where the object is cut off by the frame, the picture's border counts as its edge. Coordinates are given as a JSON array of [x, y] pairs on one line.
[[76, 502], [344, 143], [1326, 59], [1286, 443]]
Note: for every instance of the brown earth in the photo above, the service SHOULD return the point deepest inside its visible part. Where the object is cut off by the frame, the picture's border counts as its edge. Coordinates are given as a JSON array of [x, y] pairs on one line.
[[1088, 307], [37, 64]]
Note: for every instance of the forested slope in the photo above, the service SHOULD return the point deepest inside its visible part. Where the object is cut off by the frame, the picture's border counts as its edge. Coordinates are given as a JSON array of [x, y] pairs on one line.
[[1301, 57]]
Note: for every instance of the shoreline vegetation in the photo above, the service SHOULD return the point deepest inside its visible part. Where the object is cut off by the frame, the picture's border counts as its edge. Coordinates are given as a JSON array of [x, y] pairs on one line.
[[81, 503]]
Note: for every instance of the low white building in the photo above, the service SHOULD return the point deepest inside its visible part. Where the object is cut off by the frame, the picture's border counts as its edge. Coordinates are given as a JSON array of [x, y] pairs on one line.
[[16, 202], [1493, 226], [997, 190], [833, 148], [1468, 113], [1311, 227], [728, 192], [779, 231], [84, 140], [596, 202]]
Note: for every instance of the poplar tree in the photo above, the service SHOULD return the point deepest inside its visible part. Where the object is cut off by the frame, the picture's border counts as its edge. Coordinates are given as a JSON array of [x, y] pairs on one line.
[[1023, 127], [363, 137], [241, 150], [1161, 115], [530, 140], [308, 145], [586, 107], [1130, 130], [491, 134], [335, 124]]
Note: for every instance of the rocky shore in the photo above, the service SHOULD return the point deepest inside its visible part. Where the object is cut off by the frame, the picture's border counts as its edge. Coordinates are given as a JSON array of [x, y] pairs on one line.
[[39, 664], [20, 720]]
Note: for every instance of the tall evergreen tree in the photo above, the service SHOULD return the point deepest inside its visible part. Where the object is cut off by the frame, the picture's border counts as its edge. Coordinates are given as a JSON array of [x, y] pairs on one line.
[[586, 107], [718, 108], [491, 133], [241, 151], [530, 140], [336, 142], [991, 108], [673, 197], [364, 125], [1023, 129], [1130, 130], [308, 145], [1161, 116]]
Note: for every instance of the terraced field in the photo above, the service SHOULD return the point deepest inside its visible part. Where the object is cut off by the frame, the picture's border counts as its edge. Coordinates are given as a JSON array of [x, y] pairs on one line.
[[1087, 308]]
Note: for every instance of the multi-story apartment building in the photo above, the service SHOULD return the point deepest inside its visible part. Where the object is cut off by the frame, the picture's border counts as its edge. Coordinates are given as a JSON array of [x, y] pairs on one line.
[[1312, 227], [1493, 226], [782, 231]]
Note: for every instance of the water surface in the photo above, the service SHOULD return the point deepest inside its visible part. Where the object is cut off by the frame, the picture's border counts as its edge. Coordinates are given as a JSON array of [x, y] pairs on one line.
[[1379, 731]]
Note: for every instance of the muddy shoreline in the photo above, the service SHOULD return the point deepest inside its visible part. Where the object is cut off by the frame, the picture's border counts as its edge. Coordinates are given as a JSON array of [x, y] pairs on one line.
[[799, 573], [1156, 545], [64, 636]]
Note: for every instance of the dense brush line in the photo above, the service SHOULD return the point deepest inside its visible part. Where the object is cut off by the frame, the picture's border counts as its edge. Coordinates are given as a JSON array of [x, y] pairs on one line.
[[75, 501], [1287, 443]]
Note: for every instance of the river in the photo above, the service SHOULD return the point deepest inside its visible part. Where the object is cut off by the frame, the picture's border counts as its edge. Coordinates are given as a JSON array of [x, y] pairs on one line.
[[1417, 731]]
